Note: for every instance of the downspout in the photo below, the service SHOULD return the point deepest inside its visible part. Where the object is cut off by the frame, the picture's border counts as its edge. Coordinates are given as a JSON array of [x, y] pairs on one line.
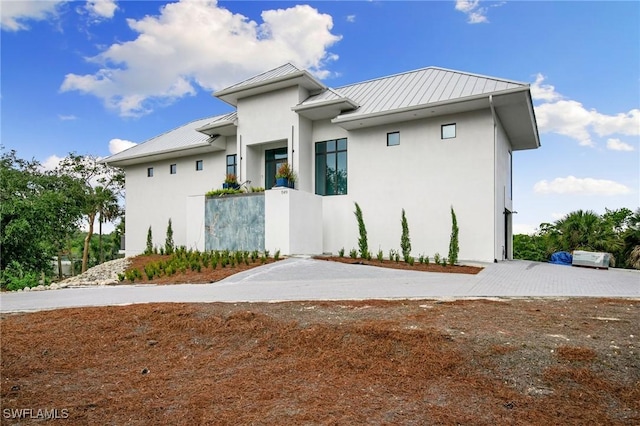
[[495, 178], [241, 178]]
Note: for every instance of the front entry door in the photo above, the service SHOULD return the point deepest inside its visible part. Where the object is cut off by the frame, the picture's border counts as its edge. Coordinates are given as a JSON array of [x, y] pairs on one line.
[[273, 159]]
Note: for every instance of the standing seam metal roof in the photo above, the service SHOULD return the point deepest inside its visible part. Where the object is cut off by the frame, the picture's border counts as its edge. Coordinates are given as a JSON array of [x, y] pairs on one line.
[[419, 87]]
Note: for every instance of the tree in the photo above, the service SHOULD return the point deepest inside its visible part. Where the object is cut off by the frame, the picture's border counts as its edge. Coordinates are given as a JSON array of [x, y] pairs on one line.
[[453, 241], [169, 246], [93, 175], [362, 230], [405, 241], [38, 213], [149, 248], [108, 210]]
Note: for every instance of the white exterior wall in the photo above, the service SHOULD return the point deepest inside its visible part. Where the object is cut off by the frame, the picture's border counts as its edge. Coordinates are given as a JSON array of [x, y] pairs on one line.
[[151, 201], [503, 199], [425, 175]]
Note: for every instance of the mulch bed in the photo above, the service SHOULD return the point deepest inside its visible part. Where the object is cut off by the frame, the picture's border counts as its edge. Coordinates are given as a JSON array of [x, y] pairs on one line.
[[523, 362], [423, 267]]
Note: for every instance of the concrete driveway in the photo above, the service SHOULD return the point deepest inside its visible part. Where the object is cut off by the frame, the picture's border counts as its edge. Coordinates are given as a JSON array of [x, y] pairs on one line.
[[309, 279]]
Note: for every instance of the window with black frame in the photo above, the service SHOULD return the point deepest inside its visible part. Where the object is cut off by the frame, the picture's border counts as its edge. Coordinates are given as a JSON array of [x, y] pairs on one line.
[[231, 164], [331, 167]]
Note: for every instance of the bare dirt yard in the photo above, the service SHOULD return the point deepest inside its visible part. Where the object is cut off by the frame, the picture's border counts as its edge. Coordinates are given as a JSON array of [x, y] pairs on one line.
[[471, 362]]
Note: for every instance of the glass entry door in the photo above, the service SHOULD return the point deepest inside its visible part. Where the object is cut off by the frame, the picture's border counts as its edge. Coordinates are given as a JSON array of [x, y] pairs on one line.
[[273, 159]]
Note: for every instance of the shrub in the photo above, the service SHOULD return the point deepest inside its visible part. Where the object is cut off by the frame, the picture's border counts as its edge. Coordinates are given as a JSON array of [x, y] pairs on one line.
[[341, 252], [362, 230], [14, 277], [276, 255], [353, 253], [149, 248], [168, 242], [436, 258], [421, 259], [405, 241], [380, 256], [410, 260], [426, 260], [392, 254], [453, 242], [266, 254]]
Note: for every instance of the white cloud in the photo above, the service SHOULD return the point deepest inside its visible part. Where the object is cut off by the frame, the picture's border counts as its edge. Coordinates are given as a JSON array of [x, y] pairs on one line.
[[51, 163], [67, 117], [194, 43], [351, 18], [475, 13], [119, 145], [523, 228], [581, 186], [618, 145], [557, 216], [15, 14], [101, 8], [570, 118]]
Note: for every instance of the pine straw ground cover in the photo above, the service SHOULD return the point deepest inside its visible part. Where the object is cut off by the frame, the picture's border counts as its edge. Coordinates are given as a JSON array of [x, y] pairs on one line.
[[471, 362]]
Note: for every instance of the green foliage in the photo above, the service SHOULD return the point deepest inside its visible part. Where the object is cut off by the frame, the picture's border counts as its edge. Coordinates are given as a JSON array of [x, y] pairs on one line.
[[266, 254], [616, 232], [410, 260], [421, 259], [223, 192], [453, 241], [276, 255], [353, 254], [149, 248], [341, 252], [168, 242], [426, 260], [362, 230], [39, 211], [14, 277], [436, 258], [405, 241], [380, 255], [256, 189]]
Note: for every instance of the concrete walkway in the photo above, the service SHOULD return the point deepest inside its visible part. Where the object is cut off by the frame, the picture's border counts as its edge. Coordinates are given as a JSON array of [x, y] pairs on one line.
[[308, 279]]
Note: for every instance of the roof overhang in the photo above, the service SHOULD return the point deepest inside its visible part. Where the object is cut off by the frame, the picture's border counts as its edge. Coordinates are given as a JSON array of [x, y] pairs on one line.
[[515, 111], [513, 107], [220, 128], [326, 109], [211, 145], [299, 78]]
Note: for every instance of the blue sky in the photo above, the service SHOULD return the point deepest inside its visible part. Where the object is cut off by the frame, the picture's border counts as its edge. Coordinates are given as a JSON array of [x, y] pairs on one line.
[[94, 76]]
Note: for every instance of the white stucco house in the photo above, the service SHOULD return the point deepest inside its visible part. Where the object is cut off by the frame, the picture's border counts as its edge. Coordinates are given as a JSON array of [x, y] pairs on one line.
[[422, 140]]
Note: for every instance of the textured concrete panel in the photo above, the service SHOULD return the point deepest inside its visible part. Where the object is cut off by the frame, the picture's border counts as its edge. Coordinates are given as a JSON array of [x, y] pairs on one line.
[[235, 222]]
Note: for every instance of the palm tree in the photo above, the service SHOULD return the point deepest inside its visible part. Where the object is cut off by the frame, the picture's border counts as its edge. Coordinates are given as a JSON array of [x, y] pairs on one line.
[[108, 210], [586, 230]]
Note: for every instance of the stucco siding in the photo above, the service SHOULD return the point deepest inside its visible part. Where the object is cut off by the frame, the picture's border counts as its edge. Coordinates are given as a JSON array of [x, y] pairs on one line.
[[425, 175], [503, 199], [151, 201]]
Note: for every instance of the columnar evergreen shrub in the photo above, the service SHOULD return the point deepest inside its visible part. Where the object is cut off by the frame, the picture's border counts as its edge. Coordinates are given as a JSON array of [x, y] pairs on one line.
[[453, 242], [405, 241], [363, 245], [149, 249], [168, 243]]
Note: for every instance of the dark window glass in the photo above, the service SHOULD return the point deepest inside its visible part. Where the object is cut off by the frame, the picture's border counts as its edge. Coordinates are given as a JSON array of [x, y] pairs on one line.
[[231, 164], [331, 167], [199, 165], [393, 139], [173, 169], [149, 171], [273, 159]]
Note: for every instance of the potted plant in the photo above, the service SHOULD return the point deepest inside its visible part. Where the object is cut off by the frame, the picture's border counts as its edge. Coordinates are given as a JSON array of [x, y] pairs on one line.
[[231, 181], [285, 176]]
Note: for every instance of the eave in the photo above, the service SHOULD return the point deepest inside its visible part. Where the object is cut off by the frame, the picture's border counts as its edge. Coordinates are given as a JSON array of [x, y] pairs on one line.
[[326, 109], [299, 78]]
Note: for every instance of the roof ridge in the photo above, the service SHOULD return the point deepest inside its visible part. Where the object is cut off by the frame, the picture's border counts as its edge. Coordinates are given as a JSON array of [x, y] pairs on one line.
[[240, 83]]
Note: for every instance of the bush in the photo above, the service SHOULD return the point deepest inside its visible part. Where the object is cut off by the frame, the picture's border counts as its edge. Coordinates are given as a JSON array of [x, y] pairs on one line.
[[14, 277], [380, 256], [149, 248], [353, 253], [168, 243], [405, 241], [341, 252], [362, 230], [453, 242]]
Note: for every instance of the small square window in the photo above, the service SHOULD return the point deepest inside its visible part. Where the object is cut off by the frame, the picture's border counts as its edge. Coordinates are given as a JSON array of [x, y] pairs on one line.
[[393, 138], [149, 171], [199, 165], [448, 131], [173, 169]]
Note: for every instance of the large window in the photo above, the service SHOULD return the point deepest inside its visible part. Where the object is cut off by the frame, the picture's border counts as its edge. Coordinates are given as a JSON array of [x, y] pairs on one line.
[[232, 164], [331, 167], [273, 159]]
